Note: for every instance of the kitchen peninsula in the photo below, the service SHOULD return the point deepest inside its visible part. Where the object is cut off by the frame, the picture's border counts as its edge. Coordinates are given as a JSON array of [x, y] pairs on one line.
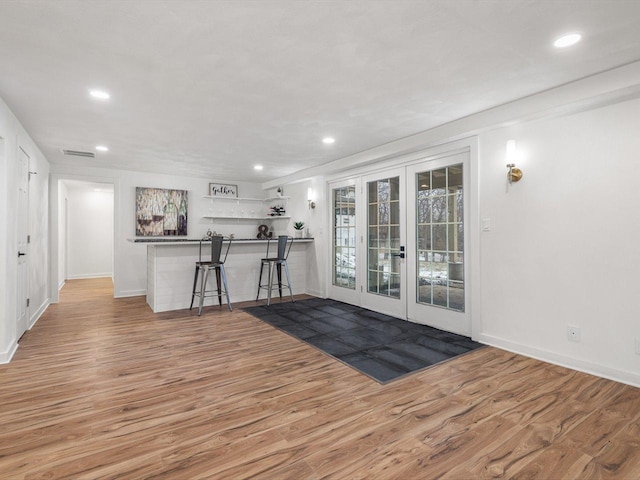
[[171, 267]]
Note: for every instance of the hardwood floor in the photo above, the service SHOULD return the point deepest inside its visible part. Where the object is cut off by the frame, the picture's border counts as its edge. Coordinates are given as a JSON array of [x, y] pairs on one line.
[[103, 388]]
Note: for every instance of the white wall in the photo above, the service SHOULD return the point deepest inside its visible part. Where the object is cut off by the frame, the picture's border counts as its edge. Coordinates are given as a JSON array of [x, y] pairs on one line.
[[63, 197], [562, 247], [89, 232], [6, 310], [314, 220], [14, 137]]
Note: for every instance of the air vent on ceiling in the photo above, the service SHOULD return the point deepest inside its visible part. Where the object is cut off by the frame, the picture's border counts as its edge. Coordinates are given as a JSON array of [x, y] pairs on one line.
[[77, 153]]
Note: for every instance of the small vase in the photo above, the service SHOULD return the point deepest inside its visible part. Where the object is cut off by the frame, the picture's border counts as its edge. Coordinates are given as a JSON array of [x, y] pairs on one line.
[[299, 233]]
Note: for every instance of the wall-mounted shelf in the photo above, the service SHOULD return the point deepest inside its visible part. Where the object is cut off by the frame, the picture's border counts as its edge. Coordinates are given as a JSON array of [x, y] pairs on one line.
[[228, 217], [247, 199], [263, 208]]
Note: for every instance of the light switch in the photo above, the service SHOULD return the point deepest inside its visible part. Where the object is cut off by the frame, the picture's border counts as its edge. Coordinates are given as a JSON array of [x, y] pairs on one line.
[[486, 224]]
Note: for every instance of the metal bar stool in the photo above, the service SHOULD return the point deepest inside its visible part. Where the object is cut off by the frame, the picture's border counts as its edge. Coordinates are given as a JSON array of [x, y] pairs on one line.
[[274, 265], [203, 268]]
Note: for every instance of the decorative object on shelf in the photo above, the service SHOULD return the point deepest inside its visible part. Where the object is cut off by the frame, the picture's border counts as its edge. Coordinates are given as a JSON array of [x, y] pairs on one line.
[[277, 211], [223, 190], [161, 212], [264, 233], [279, 192], [298, 226]]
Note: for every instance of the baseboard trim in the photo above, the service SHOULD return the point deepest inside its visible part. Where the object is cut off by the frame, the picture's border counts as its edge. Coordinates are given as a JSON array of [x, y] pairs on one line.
[[61, 285], [6, 356], [591, 368], [89, 275], [316, 293], [130, 293], [36, 316]]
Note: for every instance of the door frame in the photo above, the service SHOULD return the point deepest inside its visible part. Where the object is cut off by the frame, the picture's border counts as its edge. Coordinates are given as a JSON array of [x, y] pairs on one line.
[[54, 215], [472, 249]]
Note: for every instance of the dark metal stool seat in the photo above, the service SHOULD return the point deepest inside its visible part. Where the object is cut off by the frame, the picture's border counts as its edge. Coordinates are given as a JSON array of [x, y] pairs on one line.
[[216, 263], [274, 265]]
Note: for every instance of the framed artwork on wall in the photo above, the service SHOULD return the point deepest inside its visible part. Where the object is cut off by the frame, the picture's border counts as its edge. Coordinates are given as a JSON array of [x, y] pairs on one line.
[[223, 190], [161, 212]]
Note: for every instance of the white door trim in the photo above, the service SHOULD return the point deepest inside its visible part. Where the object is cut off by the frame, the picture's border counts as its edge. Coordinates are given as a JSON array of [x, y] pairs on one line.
[[54, 215]]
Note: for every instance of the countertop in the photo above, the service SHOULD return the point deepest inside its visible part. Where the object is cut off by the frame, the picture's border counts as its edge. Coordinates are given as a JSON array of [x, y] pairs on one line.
[[183, 240]]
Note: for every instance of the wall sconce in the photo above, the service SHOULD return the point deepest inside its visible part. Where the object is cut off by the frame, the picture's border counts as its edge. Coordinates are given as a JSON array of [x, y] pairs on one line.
[[312, 204], [515, 174]]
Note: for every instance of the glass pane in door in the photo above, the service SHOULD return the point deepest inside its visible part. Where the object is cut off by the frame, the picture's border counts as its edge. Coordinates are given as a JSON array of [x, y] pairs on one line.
[[344, 237], [383, 265], [440, 238]]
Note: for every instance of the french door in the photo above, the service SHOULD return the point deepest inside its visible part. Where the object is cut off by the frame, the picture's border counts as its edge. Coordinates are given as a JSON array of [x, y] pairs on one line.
[[436, 265], [409, 260], [383, 285], [346, 214]]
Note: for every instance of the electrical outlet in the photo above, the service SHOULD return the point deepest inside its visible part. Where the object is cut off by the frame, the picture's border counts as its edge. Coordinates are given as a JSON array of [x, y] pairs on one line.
[[573, 333], [637, 346]]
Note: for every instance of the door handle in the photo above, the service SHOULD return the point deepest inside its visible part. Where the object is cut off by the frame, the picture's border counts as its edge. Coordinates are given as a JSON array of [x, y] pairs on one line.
[[401, 254], [20, 254]]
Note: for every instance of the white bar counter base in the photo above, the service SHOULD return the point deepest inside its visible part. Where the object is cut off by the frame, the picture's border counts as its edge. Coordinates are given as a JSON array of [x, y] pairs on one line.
[[171, 267]]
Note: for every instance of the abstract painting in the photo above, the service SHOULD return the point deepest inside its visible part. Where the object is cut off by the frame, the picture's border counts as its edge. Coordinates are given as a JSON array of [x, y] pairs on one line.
[[161, 212]]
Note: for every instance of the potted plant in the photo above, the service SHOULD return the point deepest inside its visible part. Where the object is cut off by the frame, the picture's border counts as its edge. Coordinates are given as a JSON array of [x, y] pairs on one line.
[[298, 226]]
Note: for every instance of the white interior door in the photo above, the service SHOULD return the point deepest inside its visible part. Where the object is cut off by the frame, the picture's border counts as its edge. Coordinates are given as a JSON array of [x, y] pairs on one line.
[[437, 267], [23, 244], [383, 284]]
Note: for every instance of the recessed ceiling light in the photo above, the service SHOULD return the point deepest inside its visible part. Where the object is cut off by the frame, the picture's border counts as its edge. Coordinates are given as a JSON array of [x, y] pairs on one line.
[[567, 40], [257, 167], [102, 148], [99, 94], [328, 140]]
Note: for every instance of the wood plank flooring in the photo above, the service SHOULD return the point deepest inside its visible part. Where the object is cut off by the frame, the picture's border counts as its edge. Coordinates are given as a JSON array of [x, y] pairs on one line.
[[102, 388]]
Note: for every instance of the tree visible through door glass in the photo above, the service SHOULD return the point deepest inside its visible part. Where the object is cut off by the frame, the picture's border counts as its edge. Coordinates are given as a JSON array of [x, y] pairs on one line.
[[383, 202], [440, 238], [344, 237]]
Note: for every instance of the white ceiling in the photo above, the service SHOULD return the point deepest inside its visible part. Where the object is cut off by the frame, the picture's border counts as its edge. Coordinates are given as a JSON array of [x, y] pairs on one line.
[[210, 88]]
